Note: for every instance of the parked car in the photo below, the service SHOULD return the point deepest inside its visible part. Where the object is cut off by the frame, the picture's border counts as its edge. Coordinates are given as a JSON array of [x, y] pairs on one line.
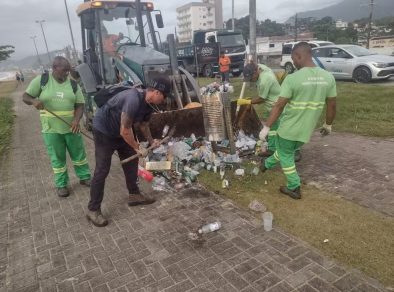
[[354, 62], [286, 61]]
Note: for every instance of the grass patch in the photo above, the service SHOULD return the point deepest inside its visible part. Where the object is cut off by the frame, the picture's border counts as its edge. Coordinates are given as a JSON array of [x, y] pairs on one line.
[[364, 109], [358, 237], [6, 115]]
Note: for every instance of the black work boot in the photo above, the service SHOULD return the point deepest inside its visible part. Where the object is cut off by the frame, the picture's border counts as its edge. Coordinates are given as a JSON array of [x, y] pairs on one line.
[[97, 218], [62, 192], [85, 182], [139, 199], [294, 194]]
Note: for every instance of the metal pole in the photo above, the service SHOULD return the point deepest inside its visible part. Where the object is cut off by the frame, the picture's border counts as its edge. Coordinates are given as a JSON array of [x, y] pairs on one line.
[[252, 29], [71, 33], [45, 40], [35, 45], [140, 23], [232, 19], [296, 28], [370, 23]]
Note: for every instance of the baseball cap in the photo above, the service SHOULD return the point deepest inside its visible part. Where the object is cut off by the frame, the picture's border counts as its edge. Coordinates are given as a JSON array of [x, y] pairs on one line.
[[249, 69], [161, 84]]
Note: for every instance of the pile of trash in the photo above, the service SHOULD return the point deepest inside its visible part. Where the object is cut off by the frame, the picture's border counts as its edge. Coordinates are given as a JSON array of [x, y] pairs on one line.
[[216, 87], [179, 162]]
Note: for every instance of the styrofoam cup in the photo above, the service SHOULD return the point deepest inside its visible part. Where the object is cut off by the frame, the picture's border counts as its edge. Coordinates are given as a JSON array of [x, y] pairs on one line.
[[267, 220]]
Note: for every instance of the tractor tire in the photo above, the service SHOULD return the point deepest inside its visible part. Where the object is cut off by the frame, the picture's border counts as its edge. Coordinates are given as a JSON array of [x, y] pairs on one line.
[[207, 71], [289, 68], [362, 74]]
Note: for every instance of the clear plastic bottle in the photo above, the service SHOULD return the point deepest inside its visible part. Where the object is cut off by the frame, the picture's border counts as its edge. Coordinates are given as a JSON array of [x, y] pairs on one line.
[[209, 227], [222, 171]]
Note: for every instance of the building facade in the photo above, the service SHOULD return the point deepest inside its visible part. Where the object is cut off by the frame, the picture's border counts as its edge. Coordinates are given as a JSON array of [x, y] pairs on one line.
[[382, 45], [198, 15]]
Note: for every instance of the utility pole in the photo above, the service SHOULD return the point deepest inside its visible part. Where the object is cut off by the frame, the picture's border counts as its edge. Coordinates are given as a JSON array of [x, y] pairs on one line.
[[75, 55], [372, 4], [232, 18], [45, 40], [252, 30], [296, 28], [38, 57]]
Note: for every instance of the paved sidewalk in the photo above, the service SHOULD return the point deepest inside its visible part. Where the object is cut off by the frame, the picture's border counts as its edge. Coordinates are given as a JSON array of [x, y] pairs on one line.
[[46, 244], [360, 169]]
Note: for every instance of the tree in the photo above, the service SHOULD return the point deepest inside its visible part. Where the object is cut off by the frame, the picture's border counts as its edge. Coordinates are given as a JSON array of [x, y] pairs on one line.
[[6, 51]]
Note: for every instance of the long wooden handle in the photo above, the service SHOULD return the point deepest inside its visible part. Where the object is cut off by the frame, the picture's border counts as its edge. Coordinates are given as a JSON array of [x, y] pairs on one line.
[[241, 95], [67, 123], [149, 148]]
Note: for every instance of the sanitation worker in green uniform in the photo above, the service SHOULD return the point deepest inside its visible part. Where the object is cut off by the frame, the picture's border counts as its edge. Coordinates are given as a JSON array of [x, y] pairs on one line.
[[268, 90], [62, 96], [302, 99]]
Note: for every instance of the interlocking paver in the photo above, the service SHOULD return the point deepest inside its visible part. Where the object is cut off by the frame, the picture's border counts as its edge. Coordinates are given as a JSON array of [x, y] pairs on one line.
[[47, 244], [365, 176]]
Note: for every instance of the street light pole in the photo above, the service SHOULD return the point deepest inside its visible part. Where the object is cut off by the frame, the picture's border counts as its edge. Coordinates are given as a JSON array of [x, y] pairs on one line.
[[232, 18], [252, 29], [370, 22], [71, 33], [38, 57], [45, 40]]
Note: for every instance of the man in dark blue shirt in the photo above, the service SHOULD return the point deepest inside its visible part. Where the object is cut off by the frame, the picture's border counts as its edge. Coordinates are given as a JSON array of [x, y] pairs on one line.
[[113, 131]]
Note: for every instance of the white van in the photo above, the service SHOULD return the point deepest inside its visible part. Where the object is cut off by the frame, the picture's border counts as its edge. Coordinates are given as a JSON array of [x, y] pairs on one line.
[[286, 61]]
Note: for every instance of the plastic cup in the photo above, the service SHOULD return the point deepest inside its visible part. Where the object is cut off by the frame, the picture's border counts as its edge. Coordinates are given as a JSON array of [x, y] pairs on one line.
[[267, 220]]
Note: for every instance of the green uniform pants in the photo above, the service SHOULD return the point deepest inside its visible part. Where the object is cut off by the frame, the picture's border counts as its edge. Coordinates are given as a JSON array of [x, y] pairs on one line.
[[57, 144], [284, 154], [272, 135]]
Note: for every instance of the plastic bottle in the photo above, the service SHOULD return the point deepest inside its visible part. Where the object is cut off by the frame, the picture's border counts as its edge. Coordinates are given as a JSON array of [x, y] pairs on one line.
[[145, 174], [209, 227]]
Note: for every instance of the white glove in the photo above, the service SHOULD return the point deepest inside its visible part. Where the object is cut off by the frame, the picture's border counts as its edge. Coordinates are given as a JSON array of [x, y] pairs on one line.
[[325, 130], [263, 133]]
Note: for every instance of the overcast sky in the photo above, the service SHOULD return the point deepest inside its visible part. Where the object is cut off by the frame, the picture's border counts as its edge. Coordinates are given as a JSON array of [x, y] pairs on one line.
[[17, 19]]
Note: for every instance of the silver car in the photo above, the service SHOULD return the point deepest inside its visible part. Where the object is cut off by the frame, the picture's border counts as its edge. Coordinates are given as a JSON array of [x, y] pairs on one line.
[[354, 62]]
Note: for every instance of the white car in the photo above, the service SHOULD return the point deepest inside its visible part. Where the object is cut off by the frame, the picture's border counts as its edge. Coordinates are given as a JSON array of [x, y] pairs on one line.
[[286, 61], [354, 62]]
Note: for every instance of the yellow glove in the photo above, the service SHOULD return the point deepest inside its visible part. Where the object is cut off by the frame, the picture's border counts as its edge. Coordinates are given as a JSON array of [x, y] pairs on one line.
[[243, 101]]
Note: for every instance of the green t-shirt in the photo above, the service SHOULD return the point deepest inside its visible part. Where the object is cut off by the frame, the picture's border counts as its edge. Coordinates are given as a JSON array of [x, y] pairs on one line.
[[58, 98], [268, 87], [307, 91]]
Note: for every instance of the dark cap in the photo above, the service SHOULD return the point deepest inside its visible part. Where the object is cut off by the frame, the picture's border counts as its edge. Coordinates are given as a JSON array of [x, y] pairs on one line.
[[161, 84], [249, 70]]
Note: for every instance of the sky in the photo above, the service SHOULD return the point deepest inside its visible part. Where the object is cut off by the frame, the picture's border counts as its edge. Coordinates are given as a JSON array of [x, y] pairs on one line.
[[17, 19]]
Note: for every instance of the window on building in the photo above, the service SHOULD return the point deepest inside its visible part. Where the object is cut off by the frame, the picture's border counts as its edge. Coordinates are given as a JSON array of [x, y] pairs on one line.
[[272, 45]]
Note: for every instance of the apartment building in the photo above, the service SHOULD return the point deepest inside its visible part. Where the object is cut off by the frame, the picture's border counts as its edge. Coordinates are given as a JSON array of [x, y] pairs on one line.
[[198, 15]]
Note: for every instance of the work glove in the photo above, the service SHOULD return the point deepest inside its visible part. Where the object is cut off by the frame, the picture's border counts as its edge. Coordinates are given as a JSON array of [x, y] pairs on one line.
[[263, 133], [243, 101], [325, 130]]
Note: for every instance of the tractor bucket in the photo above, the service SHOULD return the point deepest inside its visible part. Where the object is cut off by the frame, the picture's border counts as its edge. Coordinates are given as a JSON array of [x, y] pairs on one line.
[[187, 122], [191, 121]]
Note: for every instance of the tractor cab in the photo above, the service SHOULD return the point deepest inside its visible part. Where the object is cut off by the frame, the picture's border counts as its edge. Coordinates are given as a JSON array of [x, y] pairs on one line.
[[121, 43]]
